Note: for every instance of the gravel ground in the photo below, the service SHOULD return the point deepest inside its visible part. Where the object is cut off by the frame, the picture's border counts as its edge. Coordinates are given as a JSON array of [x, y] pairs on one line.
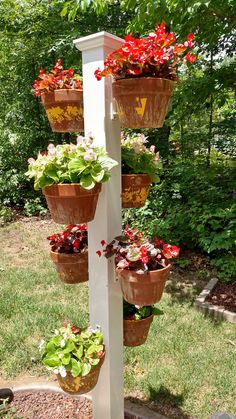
[[44, 405]]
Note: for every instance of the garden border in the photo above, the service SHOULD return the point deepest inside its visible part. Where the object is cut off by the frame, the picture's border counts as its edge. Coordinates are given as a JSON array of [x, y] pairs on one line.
[[215, 311]]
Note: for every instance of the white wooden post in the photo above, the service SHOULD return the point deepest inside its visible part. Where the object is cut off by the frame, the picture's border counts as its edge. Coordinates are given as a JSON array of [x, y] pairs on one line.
[[105, 298]]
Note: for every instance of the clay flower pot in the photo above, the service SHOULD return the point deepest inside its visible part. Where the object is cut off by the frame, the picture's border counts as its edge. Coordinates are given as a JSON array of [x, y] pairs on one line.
[[64, 108], [142, 102], [136, 331], [135, 190], [80, 385], [72, 268], [143, 289], [69, 203]]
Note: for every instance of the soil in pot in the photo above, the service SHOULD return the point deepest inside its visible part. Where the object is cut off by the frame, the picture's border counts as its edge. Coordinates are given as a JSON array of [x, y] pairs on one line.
[[142, 102], [143, 289], [135, 190], [69, 203], [64, 108], [136, 331], [72, 268]]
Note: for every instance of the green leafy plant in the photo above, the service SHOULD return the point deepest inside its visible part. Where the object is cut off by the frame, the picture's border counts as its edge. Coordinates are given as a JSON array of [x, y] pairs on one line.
[[137, 157], [73, 350], [83, 163], [34, 206], [6, 215], [132, 312]]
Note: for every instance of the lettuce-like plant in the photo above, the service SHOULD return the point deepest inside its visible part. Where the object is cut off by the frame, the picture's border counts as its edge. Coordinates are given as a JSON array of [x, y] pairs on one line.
[[134, 312], [136, 157], [73, 350], [83, 163]]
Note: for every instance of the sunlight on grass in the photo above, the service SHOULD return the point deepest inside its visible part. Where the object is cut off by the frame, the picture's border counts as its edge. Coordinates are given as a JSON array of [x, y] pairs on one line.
[[186, 367]]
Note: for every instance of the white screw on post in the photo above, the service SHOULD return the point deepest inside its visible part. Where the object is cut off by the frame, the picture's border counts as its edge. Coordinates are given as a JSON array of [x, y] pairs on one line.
[[105, 298]]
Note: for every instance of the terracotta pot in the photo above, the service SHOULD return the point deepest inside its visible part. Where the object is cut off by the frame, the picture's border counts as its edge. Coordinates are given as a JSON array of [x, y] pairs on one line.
[[80, 385], [136, 331], [143, 289], [135, 190], [64, 109], [69, 203], [72, 268], [142, 102]]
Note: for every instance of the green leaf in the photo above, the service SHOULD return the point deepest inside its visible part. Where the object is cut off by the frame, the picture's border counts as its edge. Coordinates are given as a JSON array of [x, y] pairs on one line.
[[86, 368], [70, 346], [51, 360], [66, 359], [98, 176], [92, 349], [76, 368], [77, 166], [87, 182], [79, 352]]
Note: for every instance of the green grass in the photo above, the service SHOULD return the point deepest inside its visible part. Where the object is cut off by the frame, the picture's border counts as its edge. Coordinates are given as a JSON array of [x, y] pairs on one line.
[[186, 369]]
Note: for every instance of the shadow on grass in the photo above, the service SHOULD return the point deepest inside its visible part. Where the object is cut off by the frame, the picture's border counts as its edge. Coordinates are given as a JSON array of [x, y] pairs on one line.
[[162, 401], [167, 403]]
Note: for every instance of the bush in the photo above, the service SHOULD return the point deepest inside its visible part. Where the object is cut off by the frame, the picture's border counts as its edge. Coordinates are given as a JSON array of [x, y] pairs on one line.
[[194, 208]]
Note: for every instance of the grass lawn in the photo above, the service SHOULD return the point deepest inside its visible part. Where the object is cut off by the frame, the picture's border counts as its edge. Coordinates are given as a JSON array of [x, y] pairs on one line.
[[185, 370]]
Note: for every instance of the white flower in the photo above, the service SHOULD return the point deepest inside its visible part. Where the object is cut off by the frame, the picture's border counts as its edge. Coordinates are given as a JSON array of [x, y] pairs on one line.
[[31, 161], [51, 149], [98, 327], [41, 345], [152, 149], [60, 356], [63, 343], [80, 140], [90, 155], [122, 264], [56, 332], [62, 371]]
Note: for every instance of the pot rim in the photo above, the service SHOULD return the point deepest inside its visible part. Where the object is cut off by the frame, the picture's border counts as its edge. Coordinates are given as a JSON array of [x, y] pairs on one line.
[[145, 273], [61, 90], [147, 78], [75, 254], [97, 186], [137, 174]]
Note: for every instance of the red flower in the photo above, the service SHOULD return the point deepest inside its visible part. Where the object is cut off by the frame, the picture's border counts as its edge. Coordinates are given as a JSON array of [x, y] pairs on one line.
[[99, 253], [190, 58], [103, 242], [75, 329], [97, 74], [170, 251], [41, 72], [190, 37]]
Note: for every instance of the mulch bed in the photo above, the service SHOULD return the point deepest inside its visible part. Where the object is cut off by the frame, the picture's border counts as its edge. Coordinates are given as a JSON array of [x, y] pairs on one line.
[[223, 295], [49, 405]]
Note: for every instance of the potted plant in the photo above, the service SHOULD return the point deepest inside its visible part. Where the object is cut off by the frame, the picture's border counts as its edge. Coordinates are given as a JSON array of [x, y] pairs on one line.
[[75, 355], [140, 165], [144, 72], [70, 176], [61, 93], [137, 322], [142, 266], [69, 253]]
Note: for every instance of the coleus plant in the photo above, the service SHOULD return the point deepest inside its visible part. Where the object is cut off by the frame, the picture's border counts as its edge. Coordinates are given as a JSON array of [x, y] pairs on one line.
[[136, 157], [74, 239], [57, 78], [135, 252], [83, 163], [134, 312], [73, 350], [156, 55]]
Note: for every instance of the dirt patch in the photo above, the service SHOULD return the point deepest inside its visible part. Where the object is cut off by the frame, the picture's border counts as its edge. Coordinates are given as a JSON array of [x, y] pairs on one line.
[[223, 295]]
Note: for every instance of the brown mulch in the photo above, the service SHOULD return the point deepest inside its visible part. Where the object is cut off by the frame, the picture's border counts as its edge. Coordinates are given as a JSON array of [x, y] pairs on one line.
[[223, 295], [44, 405]]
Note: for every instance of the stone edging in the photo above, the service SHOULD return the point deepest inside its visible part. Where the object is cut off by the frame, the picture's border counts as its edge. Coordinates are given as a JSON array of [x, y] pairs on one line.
[[217, 312], [132, 410]]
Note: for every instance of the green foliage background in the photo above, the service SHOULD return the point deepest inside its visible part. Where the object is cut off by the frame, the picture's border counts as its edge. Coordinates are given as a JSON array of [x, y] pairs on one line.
[[194, 205]]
